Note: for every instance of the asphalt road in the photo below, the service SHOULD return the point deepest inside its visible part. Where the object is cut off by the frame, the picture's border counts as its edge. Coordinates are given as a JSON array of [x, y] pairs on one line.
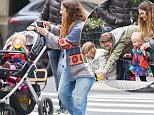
[[104, 100]]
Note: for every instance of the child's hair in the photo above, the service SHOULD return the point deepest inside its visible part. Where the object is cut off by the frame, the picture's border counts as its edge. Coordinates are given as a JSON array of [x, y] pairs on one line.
[[137, 36], [87, 46], [19, 36]]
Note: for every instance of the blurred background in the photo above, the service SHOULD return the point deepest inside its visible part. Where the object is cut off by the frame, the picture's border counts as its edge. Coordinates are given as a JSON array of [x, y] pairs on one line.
[[17, 15]]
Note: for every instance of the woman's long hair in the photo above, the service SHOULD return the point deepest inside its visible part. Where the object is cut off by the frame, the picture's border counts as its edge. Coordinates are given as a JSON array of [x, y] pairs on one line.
[[147, 27], [75, 13]]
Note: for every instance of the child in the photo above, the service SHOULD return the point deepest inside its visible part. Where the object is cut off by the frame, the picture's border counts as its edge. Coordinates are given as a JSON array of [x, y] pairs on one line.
[[140, 59], [14, 60], [96, 58]]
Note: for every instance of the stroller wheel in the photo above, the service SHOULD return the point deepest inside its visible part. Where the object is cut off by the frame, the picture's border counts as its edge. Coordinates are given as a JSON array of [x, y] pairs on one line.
[[45, 107], [8, 111]]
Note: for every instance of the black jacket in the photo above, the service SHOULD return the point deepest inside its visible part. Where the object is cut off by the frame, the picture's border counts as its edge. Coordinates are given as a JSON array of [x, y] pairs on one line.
[[51, 11], [116, 13]]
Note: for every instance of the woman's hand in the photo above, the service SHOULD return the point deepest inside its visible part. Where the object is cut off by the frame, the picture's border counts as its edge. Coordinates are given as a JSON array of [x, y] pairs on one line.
[[31, 28], [46, 25], [42, 31], [144, 47]]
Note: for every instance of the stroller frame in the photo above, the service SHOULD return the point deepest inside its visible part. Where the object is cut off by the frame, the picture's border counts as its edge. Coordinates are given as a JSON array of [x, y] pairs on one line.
[[45, 104]]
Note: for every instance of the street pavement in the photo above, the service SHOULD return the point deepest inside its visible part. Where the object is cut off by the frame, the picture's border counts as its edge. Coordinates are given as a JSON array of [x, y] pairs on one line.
[[105, 100]]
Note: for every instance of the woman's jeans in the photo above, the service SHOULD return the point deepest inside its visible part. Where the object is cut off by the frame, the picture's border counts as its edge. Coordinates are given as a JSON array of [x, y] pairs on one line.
[[73, 94], [54, 60], [106, 29], [54, 56]]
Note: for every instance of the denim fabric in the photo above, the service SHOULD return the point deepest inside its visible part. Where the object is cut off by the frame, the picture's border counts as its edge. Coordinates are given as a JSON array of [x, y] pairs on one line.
[[54, 56], [73, 94], [106, 29], [59, 72], [122, 70], [54, 60]]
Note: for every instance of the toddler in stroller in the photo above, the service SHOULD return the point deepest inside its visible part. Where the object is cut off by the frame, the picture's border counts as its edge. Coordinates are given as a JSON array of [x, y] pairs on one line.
[[18, 95]]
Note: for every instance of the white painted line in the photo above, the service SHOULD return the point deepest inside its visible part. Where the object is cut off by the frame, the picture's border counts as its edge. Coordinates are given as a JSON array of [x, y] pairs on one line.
[[107, 96], [121, 105], [121, 100], [119, 110], [110, 111]]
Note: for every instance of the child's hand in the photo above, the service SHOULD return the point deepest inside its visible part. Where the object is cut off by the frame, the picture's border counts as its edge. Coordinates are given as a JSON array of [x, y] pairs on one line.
[[104, 72], [127, 56], [22, 44]]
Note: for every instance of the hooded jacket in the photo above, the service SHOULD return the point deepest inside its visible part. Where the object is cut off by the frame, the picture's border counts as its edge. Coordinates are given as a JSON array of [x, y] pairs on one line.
[[121, 43]]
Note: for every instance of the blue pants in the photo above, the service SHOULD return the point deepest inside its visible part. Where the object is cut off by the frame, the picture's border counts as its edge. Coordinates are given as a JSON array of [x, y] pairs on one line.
[[73, 94], [54, 56], [106, 29], [54, 60]]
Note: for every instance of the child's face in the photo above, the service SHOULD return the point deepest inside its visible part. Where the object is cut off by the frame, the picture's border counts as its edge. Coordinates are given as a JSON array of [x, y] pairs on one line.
[[136, 43], [17, 43], [90, 53]]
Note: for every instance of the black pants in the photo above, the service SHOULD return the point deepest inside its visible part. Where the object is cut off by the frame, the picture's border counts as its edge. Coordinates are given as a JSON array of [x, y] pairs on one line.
[[132, 76], [122, 69]]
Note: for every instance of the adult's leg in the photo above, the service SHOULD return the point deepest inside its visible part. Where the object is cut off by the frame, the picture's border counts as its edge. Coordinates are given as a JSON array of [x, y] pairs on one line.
[[126, 66], [106, 29], [54, 59], [65, 90], [56, 65], [120, 70], [82, 88], [59, 72]]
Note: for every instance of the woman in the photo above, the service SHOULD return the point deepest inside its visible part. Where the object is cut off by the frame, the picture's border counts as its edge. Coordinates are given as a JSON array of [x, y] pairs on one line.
[[146, 23], [76, 81], [146, 19]]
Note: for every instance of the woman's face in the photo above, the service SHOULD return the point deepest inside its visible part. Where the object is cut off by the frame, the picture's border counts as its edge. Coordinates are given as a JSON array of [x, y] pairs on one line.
[[107, 45], [63, 12], [142, 14]]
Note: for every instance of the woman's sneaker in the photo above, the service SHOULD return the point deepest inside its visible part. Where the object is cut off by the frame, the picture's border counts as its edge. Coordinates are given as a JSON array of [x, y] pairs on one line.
[[62, 111]]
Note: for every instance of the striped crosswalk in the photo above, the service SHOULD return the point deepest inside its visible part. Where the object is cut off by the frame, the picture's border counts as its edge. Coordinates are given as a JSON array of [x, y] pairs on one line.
[[103, 104]]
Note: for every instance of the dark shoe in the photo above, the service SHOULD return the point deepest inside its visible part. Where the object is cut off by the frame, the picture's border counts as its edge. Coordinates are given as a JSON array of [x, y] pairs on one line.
[[62, 110]]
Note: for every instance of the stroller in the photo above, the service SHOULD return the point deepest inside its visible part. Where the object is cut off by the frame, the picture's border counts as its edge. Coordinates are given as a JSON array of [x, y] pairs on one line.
[[20, 97]]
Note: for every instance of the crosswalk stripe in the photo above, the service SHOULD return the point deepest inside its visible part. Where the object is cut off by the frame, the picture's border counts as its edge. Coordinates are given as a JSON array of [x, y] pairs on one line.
[[119, 110], [110, 99], [110, 110], [107, 97], [118, 104], [121, 100], [115, 104]]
